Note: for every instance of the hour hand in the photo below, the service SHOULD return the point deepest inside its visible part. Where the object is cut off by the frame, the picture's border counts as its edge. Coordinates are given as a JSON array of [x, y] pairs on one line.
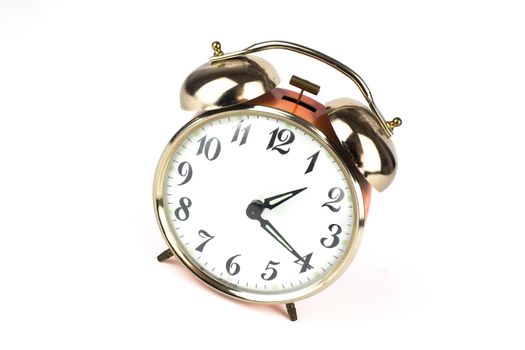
[[274, 201]]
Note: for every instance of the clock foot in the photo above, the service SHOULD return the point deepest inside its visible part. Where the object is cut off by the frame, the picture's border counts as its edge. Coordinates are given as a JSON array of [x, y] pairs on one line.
[[292, 312], [165, 255]]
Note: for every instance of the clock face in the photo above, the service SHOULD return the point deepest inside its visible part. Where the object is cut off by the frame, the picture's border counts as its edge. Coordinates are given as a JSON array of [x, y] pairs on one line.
[[257, 205]]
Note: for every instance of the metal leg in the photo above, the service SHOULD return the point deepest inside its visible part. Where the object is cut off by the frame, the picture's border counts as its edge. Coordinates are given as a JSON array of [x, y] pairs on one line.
[[165, 255], [292, 312]]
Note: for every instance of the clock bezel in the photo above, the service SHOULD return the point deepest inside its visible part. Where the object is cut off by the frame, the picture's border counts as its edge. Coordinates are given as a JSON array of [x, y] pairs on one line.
[[270, 297]]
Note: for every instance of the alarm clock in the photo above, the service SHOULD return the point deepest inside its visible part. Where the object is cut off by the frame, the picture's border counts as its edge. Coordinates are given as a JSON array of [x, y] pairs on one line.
[[264, 193]]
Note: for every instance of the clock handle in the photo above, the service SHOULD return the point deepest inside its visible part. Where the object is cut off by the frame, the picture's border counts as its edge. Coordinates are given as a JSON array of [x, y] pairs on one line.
[[387, 126]]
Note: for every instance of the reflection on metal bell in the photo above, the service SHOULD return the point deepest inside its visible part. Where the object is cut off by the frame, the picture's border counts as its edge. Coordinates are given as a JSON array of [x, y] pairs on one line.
[[370, 149], [226, 83]]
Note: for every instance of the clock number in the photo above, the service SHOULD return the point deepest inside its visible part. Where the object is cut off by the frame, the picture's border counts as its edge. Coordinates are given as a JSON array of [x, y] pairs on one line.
[[238, 130], [335, 240], [232, 267], [337, 195], [305, 262], [182, 213], [185, 170], [313, 158], [205, 235], [268, 276], [207, 145], [285, 136]]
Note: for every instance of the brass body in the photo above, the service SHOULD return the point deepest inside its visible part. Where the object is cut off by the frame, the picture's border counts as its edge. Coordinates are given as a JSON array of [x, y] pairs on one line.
[[357, 136]]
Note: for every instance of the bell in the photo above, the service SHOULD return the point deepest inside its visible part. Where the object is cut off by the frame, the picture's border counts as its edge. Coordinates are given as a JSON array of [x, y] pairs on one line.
[[219, 84], [370, 149]]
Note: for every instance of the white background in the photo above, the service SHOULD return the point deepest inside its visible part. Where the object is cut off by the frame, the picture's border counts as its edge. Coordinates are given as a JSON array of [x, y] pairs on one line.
[[89, 98]]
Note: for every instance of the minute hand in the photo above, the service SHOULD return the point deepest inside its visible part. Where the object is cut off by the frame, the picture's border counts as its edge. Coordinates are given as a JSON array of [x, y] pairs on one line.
[[274, 201], [268, 227], [254, 211]]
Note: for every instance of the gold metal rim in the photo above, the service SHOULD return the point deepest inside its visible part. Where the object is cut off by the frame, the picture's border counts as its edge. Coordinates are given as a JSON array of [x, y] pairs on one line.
[[350, 174]]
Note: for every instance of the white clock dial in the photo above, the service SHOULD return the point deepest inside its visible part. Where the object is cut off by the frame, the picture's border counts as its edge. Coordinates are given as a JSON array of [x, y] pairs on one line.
[[257, 203]]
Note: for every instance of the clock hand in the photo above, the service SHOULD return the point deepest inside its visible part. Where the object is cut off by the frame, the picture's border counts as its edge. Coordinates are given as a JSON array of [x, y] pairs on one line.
[[274, 201], [254, 211], [268, 227]]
